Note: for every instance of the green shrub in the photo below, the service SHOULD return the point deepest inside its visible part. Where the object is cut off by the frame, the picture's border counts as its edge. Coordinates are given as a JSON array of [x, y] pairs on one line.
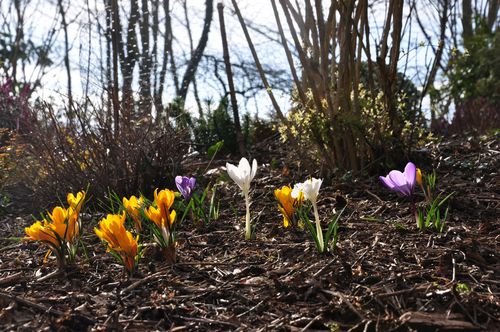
[[312, 128], [218, 125], [475, 82]]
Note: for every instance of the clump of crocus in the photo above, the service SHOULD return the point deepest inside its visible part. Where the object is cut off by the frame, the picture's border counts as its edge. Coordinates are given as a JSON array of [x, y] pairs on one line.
[[163, 219], [310, 189], [120, 242], [196, 205], [404, 183], [288, 204], [133, 207], [60, 231], [185, 186], [243, 175]]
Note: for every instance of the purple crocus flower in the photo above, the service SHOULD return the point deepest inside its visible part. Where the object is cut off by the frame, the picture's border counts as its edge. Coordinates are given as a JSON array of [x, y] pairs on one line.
[[401, 183], [185, 186]]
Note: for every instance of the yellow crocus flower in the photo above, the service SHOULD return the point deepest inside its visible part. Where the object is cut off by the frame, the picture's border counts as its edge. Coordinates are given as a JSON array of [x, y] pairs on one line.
[[133, 206], [76, 202], [59, 224], [164, 200], [287, 204], [73, 224], [157, 217], [112, 230], [41, 232], [59, 232]]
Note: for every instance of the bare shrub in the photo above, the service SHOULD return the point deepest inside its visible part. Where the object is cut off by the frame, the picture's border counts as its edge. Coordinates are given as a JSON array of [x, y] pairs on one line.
[[145, 154], [476, 116]]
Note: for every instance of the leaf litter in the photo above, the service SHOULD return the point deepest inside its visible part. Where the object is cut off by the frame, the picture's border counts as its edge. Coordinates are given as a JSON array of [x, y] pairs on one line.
[[383, 276]]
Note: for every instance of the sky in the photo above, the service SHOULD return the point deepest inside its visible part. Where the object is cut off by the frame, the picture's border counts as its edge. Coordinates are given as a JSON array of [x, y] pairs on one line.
[[54, 83]]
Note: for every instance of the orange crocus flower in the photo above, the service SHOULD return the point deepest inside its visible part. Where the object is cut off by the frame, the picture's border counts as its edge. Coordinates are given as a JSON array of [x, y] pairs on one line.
[[133, 207], [287, 204], [112, 230]]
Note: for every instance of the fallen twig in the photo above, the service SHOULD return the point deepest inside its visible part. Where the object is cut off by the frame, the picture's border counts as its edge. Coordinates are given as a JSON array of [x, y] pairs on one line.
[[205, 320], [14, 278]]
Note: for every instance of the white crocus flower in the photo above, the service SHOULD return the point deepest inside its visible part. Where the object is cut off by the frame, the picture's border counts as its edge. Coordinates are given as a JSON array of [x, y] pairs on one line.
[[243, 175], [310, 190]]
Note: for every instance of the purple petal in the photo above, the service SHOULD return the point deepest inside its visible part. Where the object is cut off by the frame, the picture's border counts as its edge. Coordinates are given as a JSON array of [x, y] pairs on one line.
[[192, 182], [178, 183], [396, 182], [410, 174], [397, 178], [400, 183], [178, 180], [387, 182], [403, 190]]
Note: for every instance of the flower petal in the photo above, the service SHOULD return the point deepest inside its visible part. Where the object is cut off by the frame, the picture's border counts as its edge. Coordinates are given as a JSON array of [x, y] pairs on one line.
[[397, 178], [316, 185], [235, 174], [192, 182], [254, 169], [178, 180], [387, 182], [244, 165], [410, 174], [297, 189]]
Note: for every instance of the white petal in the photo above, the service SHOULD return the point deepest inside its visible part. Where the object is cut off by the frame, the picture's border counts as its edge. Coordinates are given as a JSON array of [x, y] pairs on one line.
[[316, 185], [307, 189], [235, 174], [244, 165], [297, 189], [254, 169], [231, 169], [295, 192]]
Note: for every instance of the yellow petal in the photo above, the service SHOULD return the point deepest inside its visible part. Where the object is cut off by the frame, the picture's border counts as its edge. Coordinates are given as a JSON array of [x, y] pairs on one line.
[[164, 200], [173, 214], [286, 218], [41, 232], [76, 202], [154, 215], [286, 202], [133, 208]]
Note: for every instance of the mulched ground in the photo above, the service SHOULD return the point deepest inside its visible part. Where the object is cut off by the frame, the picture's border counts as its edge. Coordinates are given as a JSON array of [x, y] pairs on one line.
[[384, 275]]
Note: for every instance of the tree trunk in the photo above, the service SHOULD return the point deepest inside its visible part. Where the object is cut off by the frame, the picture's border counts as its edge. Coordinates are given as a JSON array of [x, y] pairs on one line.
[[66, 59], [234, 104], [466, 19], [195, 59], [145, 67]]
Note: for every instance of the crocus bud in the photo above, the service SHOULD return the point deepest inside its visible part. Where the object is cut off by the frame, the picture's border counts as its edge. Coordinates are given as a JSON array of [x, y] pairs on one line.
[[419, 177]]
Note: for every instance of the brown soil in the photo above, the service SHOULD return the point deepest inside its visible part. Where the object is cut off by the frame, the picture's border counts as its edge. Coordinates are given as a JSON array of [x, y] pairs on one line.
[[383, 276]]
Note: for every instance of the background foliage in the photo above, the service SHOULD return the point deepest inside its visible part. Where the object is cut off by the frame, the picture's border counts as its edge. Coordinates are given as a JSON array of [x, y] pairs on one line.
[[152, 82]]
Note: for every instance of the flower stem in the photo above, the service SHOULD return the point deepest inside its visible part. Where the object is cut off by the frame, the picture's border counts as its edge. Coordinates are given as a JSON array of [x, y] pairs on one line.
[[319, 231], [248, 229]]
